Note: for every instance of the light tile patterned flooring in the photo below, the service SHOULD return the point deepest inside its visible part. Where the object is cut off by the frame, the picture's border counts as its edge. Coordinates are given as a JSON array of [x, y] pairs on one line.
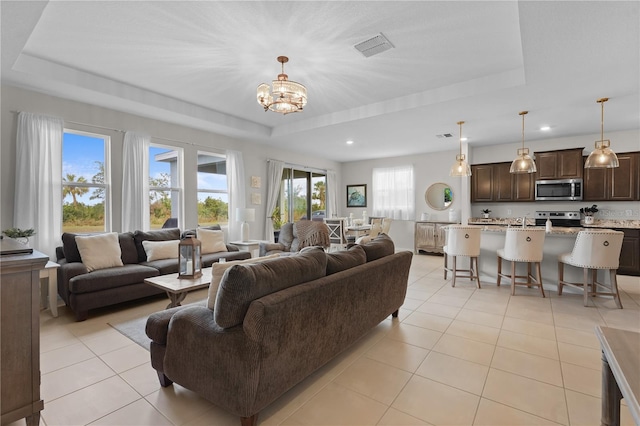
[[455, 356]]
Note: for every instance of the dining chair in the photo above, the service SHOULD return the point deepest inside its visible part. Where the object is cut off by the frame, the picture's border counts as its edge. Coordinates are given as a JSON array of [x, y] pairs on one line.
[[593, 250], [337, 235]]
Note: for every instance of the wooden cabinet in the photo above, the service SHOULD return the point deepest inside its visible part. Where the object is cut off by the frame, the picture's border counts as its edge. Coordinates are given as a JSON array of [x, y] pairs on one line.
[[618, 184], [493, 183], [20, 337], [630, 253], [561, 164], [430, 236]]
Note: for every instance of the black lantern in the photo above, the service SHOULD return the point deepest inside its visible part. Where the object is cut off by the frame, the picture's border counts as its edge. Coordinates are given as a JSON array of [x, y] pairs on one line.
[[190, 258]]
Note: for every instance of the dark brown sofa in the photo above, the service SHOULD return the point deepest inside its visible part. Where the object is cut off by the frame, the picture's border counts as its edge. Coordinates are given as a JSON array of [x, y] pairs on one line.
[[83, 291], [275, 323]]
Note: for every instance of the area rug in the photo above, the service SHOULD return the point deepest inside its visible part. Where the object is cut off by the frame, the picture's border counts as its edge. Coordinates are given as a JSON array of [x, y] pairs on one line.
[[134, 328]]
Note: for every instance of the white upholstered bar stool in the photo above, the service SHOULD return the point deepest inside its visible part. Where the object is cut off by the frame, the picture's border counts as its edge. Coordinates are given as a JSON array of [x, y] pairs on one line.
[[462, 240], [522, 245], [593, 250]]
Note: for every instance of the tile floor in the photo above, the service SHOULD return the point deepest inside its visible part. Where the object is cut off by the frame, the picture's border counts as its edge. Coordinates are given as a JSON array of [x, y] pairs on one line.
[[455, 356]]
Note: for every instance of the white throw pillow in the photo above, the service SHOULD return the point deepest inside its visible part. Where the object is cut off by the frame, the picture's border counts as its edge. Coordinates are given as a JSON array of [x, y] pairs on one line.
[[218, 270], [99, 251], [212, 240], [157, 250]]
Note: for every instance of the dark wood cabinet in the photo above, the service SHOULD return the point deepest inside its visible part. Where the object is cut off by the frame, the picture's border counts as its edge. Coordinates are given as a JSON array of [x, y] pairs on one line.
[[493, 183], [630, 253], [561, 164], [619, 184], [20, 337]]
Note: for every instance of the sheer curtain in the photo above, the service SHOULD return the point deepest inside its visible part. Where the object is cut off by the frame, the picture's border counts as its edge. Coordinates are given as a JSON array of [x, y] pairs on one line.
[[274, 177], [393, 192], [332, 194], [236, 190], [135, 182], [38, 196]]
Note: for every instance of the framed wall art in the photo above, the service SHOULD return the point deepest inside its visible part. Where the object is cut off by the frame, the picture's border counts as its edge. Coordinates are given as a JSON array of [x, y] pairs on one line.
[[357, 195]]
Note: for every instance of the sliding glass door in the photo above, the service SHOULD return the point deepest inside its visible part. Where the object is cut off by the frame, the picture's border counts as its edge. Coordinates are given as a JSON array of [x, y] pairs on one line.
[[302, 195]]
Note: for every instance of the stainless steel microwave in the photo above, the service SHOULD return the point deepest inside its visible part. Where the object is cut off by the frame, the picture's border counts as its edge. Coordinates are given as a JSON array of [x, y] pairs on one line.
[[559, 190]]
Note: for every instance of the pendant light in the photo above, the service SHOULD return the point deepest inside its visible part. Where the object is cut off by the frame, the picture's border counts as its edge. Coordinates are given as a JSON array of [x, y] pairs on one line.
[[523, 162], [460, 167], [602, 156]]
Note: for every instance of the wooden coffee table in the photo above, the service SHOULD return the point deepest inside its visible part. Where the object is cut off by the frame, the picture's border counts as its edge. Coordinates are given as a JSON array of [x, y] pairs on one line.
[[177, 288]]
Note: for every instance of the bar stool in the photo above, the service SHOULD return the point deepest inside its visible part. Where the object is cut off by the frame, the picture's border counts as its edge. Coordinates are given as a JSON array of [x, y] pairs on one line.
[[462, 240], [522, 245], [593, 250]]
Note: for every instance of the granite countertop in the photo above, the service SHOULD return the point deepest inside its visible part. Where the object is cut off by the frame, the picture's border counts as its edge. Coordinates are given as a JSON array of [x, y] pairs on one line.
[[556, 230], [599, 223]]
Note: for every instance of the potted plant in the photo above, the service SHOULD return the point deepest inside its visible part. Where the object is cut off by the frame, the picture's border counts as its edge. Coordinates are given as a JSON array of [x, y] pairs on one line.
[[18, 234], [588, 213], [276, 219], [485, 213]]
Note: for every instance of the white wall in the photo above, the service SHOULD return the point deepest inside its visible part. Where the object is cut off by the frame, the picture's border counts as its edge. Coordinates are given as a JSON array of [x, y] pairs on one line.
[[192, 140], [428, 169]]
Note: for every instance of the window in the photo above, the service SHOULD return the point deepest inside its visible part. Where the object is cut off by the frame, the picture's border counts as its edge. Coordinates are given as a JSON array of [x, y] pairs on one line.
[[213, 199], [165, 185], [86, 195], [393, 192], [302, 195]]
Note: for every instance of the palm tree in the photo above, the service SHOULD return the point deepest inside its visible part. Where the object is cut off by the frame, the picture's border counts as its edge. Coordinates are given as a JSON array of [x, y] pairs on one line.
[[74, 191]]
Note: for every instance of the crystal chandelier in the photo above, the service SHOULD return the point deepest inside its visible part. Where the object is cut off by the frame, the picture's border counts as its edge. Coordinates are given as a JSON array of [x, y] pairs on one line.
[[602, 156], [460, 167], [523, 162], [286, 96]]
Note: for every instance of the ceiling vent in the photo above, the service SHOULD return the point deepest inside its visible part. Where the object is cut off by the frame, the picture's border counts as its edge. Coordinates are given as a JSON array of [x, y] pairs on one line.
[[444, 135], [374, 45]]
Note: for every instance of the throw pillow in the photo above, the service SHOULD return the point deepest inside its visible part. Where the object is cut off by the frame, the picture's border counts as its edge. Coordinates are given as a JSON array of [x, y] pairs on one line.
[[99, 251], [157, 250], [218, 270], [212, 241]]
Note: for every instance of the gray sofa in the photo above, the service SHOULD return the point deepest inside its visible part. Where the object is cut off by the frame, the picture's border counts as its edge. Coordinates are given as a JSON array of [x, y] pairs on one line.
[[83, 291], [275, 323]]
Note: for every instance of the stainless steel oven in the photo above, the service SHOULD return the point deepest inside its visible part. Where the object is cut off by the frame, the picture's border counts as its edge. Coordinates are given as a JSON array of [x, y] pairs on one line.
[[559, 190]]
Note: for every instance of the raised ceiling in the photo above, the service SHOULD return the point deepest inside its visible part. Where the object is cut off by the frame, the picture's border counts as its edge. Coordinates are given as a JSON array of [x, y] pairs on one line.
[[199, 63]]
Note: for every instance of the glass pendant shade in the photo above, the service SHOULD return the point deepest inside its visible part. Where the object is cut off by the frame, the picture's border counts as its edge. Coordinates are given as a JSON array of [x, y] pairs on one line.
[[523, 162], [284, 96], [460, 168], [602, 157]]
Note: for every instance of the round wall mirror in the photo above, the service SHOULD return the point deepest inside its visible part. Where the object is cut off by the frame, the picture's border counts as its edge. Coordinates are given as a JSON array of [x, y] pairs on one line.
[[439, 196]]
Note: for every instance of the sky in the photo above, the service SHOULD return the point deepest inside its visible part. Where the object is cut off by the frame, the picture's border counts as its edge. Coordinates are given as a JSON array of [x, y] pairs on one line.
[[80, 153]]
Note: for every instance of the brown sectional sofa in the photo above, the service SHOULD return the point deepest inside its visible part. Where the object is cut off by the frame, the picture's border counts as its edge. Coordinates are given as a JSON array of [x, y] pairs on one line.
[[83, 291], [275, 323]]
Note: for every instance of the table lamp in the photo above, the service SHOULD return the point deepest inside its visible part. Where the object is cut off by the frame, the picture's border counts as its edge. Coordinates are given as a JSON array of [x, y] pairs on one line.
[[245, 216]]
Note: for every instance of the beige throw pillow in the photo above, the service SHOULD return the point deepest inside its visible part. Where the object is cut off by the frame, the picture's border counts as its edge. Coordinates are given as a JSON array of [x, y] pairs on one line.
[[218, 270], [212, 240], [99, 251], [157, 250]]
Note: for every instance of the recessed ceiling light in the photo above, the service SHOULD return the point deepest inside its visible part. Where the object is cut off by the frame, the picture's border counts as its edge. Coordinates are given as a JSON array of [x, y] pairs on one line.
[[349, 142], [464, 139], [545, 128]]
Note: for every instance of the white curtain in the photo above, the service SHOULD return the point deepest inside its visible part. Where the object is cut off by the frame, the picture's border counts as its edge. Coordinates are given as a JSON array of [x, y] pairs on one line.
[[236, 190], [135, 182], [393, 192], [38, 196], [332, 194], [274, 178]]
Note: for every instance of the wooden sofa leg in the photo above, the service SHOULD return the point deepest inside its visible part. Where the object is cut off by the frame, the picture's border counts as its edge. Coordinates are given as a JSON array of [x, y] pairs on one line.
[[249, 421], [164, 380], [395, 314]]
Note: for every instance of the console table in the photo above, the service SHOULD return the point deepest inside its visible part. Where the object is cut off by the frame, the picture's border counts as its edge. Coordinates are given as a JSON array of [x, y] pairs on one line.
[[620, 373], [20, 336]]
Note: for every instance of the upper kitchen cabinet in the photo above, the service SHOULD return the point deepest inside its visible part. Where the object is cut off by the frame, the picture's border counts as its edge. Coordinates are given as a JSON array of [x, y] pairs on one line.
[[493, 183], [561, 164], [618, 184]]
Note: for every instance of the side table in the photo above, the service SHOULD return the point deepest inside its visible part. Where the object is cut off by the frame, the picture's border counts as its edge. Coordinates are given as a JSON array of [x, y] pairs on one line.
[[250, 246], [49, 292]]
